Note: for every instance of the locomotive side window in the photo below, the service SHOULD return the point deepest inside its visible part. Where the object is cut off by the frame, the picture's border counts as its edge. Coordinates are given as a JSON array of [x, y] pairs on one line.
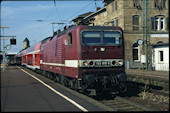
[[70, 39], [110, 38], [91, 37]]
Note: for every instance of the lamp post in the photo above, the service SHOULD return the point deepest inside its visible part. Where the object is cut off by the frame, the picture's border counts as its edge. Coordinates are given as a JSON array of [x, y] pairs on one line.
[[4, 47], [146, 31]]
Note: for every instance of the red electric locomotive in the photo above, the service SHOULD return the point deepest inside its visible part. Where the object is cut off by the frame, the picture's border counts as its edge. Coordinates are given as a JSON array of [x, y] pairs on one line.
[[86, 58]]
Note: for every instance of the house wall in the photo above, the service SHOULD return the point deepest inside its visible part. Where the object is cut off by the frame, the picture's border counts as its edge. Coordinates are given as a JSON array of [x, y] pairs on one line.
[[156, 63], [124, 13]]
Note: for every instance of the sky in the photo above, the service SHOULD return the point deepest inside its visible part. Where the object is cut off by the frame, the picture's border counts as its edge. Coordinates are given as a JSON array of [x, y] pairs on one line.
[[32, 19]]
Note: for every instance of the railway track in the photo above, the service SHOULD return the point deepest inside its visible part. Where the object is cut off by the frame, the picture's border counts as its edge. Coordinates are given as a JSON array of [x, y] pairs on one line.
[[122, 104], [149, 88], [119, 103], [160, 92]]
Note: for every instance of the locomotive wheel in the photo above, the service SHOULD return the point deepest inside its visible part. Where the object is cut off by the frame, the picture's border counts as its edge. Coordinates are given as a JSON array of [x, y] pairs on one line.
[[57, 79], [50, 75], [71, 84], [43, 72], [122, 88]]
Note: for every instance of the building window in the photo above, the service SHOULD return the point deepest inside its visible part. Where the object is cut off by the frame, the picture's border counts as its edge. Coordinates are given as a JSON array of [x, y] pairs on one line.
[[125, 3], [156, 3], [167, 23], [158, 23], [160, 3], [117, 22], [152, 23], [135, 3], [136, 23], [162, 23], [113, 23], [115, 5], [161, 59], [135, 52], [163, 3]]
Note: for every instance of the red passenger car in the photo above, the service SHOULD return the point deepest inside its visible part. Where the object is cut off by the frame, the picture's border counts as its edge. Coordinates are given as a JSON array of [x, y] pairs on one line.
[[31, 57]]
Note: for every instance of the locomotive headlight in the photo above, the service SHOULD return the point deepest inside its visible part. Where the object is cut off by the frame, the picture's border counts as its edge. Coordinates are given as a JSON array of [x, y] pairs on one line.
[[102, 49], [85, 64], [91, 63], [120, 63], [113, 62]]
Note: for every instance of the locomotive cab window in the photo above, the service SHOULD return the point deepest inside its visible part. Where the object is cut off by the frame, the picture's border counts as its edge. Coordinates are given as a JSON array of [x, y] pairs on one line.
[[70, 39], [111, 38], [101, 38], [91, 37]]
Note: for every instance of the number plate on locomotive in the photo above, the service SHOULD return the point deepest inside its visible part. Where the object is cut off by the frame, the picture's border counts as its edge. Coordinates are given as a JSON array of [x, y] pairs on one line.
[[102, 63]]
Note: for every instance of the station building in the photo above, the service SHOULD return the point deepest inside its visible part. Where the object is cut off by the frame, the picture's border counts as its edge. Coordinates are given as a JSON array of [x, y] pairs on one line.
[[128, 15]]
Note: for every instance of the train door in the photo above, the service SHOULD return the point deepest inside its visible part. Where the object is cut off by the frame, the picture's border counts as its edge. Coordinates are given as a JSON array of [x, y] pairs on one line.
[[33, 63]]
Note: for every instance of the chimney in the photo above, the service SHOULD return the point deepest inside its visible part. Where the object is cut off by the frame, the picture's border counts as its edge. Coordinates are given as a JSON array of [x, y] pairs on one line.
[[59, 31], [65, 27], [97, 8]]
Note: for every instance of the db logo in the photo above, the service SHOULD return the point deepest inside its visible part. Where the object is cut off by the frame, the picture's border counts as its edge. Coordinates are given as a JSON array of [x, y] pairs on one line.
[[65, 42]]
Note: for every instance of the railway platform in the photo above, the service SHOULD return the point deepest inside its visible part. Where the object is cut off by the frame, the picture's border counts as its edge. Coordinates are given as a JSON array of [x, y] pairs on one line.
[[23, 90]]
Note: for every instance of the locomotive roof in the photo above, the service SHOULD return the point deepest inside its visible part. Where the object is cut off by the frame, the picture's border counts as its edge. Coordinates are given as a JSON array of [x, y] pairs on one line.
[[45, 40], [59, 33], [64, 31]]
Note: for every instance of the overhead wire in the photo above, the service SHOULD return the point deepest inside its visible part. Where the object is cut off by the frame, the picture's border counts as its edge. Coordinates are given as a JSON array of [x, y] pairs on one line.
[[78, 12], [66, 21], [54, 7]]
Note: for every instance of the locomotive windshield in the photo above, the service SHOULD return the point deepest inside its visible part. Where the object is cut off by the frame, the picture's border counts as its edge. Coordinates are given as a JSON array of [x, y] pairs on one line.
[[91, 37], [101, 37]]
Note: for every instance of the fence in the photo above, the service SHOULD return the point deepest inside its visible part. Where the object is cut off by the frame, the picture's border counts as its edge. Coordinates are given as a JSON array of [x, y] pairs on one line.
[[162, 67], [133, 65], [138, 65]]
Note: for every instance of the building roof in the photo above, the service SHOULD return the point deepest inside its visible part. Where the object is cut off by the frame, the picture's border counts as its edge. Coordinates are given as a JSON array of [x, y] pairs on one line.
[[107, 1], [26, 40], [10, 53], [82, 16], [94, 13], [160, 44]]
